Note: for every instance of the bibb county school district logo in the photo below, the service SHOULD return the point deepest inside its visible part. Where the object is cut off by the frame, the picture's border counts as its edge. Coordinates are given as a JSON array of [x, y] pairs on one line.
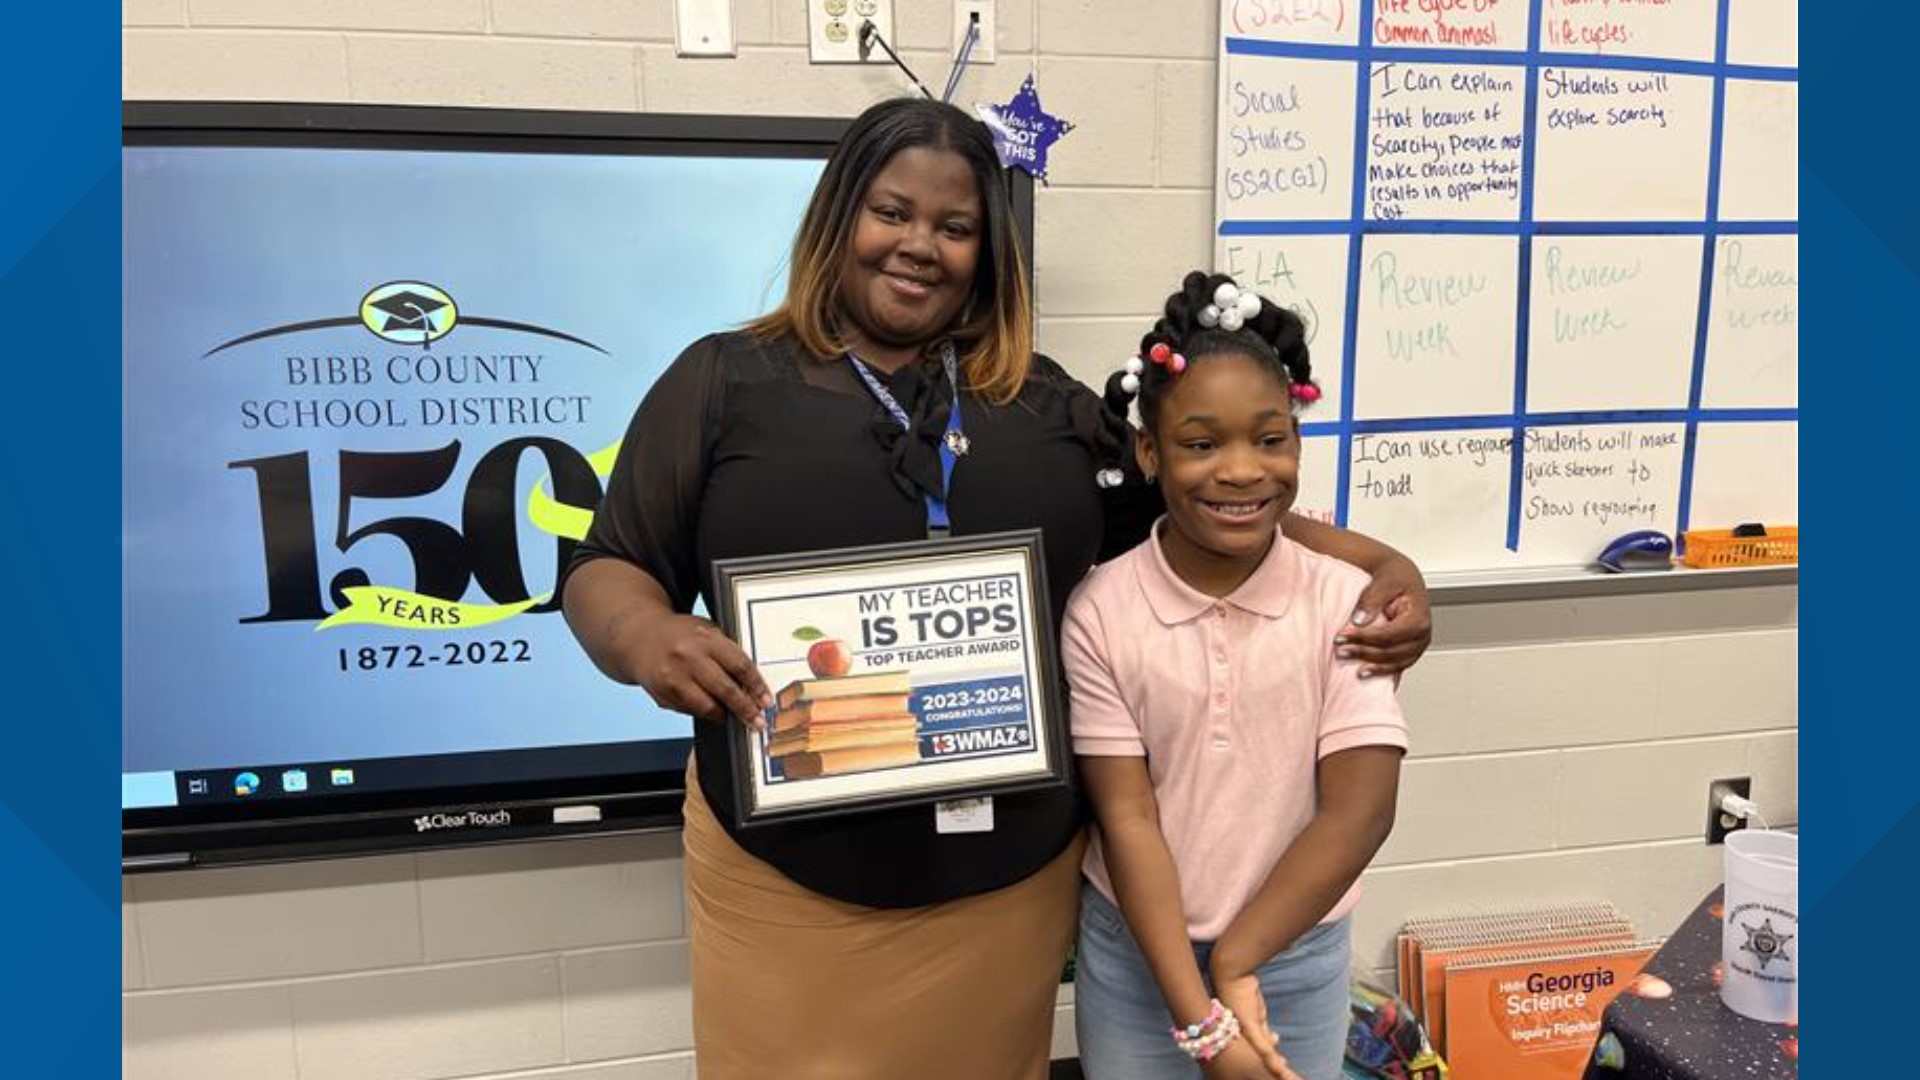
[[409, 312], [406, 313]]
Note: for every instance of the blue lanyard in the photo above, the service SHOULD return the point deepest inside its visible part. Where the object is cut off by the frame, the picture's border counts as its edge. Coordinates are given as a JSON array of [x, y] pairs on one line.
[[953, 445]]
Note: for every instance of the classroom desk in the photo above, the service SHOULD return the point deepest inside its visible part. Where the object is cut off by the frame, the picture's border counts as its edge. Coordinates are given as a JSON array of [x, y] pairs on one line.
[[1690, 1035]]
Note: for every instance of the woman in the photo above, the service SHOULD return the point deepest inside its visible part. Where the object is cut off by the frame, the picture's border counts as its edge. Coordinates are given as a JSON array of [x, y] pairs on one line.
[[878, 944]]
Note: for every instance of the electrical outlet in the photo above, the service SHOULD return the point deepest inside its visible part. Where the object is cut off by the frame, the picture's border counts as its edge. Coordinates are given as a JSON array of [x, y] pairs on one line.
[[966, 12], [1719, 822], [833, 30]]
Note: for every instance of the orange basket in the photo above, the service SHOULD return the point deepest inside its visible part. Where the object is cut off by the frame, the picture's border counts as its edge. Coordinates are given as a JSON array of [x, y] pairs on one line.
[[1709, 548]]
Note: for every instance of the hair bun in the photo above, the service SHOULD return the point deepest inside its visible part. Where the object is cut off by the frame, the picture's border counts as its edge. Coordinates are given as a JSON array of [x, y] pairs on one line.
[[1203, 304], [1211, 314]]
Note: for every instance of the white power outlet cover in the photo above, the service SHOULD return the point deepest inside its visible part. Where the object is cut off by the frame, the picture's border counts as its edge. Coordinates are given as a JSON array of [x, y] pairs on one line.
[[703, 27], [964, 12], [833, 30]]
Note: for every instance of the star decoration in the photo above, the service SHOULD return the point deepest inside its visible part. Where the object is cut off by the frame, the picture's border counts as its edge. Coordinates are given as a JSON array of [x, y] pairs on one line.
[[1023, 131]]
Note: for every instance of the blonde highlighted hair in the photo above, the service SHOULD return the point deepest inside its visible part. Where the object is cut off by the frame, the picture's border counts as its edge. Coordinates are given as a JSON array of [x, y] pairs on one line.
[[994, 335]]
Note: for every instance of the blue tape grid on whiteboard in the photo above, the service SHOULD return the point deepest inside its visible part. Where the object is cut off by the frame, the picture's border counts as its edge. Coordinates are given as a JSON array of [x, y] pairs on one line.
[[1549, 419], [1363, 73], [1523, 305], [1357, 226], [1532, 57], [1691, 442], [1511, 228]]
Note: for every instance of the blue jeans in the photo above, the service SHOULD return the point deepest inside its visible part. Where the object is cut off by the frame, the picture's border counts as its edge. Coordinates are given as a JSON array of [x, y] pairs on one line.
[[1122, 1021]]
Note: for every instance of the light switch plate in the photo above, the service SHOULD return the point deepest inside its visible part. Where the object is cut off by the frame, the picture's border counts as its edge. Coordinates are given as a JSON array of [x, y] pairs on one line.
[[703, 27]]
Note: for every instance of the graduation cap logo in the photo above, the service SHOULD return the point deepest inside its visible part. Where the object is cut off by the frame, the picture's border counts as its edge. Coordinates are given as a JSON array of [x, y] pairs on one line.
[[409, 312], [406, 313]]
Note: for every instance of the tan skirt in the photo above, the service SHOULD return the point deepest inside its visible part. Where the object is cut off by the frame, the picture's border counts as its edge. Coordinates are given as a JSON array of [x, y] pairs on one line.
[[791, 984]]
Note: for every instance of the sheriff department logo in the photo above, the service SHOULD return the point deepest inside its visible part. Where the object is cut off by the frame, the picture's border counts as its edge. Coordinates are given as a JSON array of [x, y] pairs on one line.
[[1765, 943]]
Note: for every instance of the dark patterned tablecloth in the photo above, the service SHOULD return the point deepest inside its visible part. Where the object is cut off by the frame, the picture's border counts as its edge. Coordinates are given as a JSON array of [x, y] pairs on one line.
[[1671, 1025]]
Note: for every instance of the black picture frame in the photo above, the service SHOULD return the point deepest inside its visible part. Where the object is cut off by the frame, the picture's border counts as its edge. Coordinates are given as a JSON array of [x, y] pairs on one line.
[[985, 702]]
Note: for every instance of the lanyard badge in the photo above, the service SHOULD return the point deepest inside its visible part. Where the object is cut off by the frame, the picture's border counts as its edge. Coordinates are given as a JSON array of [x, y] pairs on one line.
[[953, 445]]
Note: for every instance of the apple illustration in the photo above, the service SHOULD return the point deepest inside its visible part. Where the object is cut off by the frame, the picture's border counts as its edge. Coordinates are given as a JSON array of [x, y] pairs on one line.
[[827, 658], [830, 658]]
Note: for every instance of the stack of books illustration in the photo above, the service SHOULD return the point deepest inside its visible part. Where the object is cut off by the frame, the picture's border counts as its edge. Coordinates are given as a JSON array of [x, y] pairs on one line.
[[844, 724]]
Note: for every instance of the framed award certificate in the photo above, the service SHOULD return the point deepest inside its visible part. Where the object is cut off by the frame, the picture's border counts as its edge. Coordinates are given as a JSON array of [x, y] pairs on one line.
[[901, 673]]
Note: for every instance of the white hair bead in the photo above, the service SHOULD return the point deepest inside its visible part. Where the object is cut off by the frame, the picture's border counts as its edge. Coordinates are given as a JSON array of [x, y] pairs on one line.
[[1224, 296], [1248, 305], [1209, 316], [1230, 319], [1134, 365], [1130, 382]]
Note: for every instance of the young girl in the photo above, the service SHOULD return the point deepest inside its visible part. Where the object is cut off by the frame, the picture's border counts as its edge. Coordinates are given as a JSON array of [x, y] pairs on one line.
[[1242, 771]]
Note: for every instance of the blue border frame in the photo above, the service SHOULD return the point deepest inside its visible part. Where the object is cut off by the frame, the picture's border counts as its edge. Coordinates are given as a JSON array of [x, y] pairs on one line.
[[1860, 290], [59, 284], [59, 249], [1356, 227]]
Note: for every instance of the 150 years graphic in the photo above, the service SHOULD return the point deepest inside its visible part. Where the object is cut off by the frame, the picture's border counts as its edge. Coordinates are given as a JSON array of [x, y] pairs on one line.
[[483, 409]]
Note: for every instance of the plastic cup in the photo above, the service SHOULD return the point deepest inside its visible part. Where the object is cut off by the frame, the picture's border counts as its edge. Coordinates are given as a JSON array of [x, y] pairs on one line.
[[1760, 935]]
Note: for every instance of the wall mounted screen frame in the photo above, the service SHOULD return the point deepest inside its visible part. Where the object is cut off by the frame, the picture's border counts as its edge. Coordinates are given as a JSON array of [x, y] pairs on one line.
[[373, 357]]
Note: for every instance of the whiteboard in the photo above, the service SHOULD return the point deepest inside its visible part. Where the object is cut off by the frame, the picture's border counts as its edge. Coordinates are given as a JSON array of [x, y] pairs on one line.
[[1622, 145], [1547, 253], [1613, 322], [1436, 317], [1285, 140]]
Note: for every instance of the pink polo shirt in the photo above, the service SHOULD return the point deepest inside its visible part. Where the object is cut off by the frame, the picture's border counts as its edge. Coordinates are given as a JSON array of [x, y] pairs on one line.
[[1231, 701]]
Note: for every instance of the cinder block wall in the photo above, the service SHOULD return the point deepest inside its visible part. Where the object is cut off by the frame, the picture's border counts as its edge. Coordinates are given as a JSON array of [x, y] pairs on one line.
[[1562, 748]]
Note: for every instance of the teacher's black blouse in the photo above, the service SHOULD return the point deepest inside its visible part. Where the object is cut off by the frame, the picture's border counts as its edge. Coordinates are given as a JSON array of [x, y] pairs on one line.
[[755, 448]]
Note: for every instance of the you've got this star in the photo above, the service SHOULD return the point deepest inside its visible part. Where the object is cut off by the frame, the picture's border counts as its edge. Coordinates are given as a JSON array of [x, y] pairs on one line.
[[1023, 131]]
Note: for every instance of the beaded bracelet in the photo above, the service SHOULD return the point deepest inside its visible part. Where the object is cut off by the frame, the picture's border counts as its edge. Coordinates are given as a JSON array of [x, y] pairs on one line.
[[1205, 1040], [1211, 1046]]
